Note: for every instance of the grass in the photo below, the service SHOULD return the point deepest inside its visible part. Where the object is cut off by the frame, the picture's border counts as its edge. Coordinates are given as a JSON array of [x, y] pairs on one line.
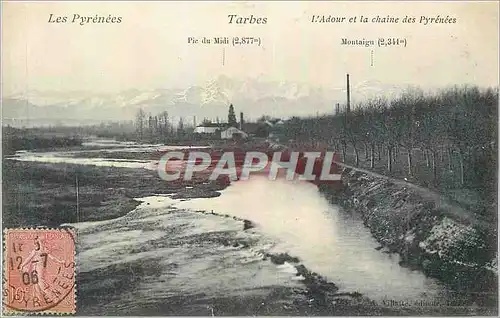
[[40, 194]]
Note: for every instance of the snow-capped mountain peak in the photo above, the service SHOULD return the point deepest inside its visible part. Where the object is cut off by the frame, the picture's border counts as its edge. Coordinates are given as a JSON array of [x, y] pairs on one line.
[[251, 96]]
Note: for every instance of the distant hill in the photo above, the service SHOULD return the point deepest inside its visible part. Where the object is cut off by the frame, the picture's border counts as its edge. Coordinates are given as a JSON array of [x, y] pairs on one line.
[[250, 96]]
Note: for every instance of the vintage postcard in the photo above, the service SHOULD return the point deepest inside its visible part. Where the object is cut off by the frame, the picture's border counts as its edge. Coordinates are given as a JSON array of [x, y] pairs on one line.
[[245, 158]]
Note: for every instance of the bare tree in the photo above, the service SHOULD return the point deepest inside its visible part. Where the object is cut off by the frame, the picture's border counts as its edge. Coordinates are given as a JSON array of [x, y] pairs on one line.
[[139, 122]]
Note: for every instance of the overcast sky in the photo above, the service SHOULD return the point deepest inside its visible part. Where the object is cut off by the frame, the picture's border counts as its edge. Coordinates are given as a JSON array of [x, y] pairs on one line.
[[149, 48]]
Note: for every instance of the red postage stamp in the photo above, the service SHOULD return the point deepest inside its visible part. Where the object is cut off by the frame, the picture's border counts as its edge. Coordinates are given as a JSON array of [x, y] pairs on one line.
[[39, 271]]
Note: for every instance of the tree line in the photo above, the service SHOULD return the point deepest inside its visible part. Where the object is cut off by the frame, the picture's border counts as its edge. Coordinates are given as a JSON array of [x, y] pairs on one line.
[[454, 129], [15, 139], [160, 126]]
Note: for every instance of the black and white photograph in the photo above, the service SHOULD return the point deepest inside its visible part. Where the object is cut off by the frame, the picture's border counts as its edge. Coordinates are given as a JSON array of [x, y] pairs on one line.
[[250, 158]]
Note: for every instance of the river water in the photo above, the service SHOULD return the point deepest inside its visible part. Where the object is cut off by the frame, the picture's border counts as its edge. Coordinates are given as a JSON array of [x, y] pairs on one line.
[[290, 216], [328, 240]]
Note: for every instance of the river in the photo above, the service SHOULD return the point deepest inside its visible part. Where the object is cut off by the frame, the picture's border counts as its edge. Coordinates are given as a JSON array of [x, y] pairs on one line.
[[173, 237]]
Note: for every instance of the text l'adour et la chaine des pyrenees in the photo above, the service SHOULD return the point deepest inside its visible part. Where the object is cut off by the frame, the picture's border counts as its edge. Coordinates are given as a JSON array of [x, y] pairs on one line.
[[425, 20]]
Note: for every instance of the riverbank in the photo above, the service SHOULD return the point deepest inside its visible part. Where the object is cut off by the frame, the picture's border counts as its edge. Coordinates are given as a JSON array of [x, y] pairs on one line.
[[428, 232], [41, 194], [45, 194], [112, 260]]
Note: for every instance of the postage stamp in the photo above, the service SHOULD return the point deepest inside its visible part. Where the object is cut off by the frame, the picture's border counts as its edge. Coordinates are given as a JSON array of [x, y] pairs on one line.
[[39, 271]]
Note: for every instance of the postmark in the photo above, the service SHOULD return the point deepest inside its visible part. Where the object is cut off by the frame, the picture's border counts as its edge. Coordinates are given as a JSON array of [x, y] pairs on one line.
[[39, 271]]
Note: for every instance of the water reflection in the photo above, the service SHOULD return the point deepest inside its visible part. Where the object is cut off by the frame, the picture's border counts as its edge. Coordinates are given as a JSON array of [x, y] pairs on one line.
[[328, 240]]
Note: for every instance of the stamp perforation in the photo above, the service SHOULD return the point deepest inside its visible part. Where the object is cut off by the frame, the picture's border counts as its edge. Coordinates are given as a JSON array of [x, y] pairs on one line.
[[53, 309]]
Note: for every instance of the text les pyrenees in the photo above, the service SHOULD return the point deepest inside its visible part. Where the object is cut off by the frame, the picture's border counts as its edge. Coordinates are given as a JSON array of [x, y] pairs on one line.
[[82, 20]]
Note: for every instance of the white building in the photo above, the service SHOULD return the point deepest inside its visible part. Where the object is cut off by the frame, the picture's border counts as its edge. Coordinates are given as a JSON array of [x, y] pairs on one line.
[[208, 128]]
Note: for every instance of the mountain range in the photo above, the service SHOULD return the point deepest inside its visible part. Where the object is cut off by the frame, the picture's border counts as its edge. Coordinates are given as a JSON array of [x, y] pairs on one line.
[[253, 97]]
